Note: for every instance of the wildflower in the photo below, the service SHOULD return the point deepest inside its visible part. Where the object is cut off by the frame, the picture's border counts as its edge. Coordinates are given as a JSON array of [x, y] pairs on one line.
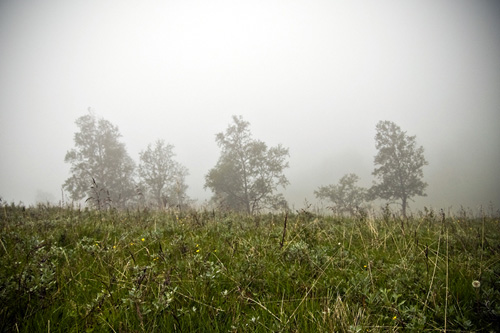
[[197, 250], [394, 318], [476, 284], [142, 239], [131, 244], [114, 246], [364, 266]]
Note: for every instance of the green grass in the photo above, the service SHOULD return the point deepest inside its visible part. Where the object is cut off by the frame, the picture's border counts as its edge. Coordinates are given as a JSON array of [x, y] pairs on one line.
[[83, 270]]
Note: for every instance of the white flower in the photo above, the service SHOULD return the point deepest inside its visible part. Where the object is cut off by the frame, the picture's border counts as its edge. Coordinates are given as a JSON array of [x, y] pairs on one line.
[[476, 284]]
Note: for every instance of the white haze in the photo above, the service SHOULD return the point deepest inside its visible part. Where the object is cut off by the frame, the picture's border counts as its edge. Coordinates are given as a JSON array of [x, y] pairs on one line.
[[315, 76]]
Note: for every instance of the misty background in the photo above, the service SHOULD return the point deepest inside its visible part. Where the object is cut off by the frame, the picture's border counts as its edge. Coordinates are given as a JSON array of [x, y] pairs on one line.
[[315, 76]]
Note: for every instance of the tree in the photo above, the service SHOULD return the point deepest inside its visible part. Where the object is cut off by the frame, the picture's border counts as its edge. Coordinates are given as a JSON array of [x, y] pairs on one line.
[[398, 165], [163, 177], [346, 197], [101, 169], [247, 172]]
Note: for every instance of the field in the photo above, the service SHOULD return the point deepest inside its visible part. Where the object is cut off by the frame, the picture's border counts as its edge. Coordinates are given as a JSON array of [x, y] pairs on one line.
[[67, 270]]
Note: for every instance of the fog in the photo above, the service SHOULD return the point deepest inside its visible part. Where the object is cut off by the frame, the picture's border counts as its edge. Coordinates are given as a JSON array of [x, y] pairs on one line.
[[315, 76]]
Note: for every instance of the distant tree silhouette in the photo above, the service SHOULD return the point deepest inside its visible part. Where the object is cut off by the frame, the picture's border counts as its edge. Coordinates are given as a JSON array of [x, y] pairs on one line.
[[345, 196], [162, 176], [101, 169], [248, 172], [398, 165]]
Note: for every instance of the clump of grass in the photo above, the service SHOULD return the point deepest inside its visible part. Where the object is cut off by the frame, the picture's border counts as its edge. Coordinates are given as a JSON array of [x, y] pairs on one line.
[[74, 270]]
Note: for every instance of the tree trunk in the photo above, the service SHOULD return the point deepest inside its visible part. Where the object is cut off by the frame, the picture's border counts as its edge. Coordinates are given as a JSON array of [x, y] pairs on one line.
[[403, 205], [245, 184]]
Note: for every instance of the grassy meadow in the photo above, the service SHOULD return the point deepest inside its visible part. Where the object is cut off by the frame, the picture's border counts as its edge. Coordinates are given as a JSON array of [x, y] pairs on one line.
[[82, 270]]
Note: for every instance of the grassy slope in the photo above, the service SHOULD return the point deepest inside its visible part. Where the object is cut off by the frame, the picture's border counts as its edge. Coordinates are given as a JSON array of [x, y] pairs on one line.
[[70, 270]]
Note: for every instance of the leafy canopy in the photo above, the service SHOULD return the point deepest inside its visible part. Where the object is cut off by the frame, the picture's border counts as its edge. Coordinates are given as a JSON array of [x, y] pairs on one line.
[[345, 196], [101, 169], [398, 165], [161, 176], [247, 172]]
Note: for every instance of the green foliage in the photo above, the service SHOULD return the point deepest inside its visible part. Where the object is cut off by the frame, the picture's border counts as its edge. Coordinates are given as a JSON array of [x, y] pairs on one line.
[[162, 177], [346, 196], [247, 172], [399, 163], [84, 270], [101, 169]]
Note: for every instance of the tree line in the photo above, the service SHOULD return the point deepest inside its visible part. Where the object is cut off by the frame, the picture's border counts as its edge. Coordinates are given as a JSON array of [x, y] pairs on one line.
[[105, 175], [246, 177]]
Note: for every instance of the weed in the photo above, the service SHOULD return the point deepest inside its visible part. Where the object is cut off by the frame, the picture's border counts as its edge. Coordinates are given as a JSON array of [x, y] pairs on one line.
[[67, 269]]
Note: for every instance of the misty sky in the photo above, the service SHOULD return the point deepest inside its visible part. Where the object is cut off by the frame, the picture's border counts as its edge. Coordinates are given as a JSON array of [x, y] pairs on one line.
[[315, 76]]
